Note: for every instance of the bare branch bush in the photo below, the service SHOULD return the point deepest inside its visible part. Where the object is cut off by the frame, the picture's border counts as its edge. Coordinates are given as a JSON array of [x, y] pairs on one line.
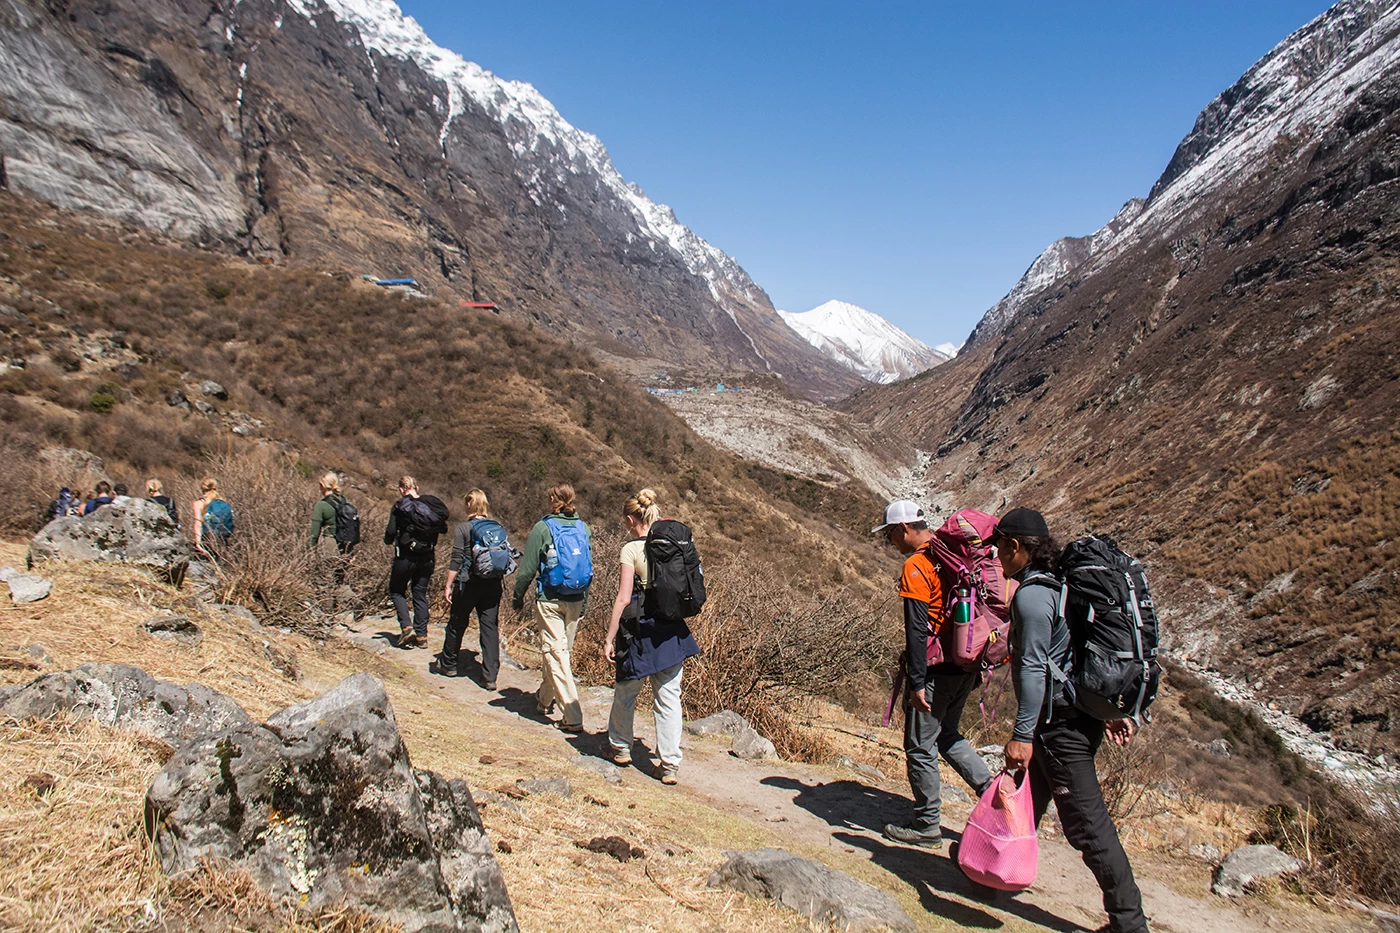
[[766, 647]]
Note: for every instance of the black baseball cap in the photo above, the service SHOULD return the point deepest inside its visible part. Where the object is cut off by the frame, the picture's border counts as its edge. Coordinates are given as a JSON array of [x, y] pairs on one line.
[[1023, 523]]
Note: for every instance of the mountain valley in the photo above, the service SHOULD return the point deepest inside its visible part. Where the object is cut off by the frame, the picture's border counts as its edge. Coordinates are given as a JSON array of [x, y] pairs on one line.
[[195, 202]]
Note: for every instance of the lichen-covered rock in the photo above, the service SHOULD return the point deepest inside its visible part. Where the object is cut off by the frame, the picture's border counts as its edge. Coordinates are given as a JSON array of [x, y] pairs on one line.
[[133, 531], [121, 695], [812, 889], [322, 805]]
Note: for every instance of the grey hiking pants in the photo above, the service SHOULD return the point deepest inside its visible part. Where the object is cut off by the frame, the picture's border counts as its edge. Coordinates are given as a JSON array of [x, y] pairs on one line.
[[927, 735]]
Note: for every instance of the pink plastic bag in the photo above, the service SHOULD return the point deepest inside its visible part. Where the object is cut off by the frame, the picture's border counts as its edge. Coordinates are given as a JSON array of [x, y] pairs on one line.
[[999, 847]]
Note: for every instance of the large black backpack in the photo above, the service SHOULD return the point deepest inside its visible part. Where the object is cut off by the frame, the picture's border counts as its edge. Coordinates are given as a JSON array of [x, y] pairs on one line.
[[425, 518], [676, 581], [347, 521], [1113, 630]]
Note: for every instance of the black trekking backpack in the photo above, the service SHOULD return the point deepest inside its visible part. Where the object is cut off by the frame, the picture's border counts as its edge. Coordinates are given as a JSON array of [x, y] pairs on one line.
[[347, 521], [1113, 630], [424, 519], [676, 581]]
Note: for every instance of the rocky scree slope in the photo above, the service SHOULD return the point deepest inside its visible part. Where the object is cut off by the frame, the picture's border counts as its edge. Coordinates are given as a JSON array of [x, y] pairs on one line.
[[1217, 384], [867, 343], [336, 134]]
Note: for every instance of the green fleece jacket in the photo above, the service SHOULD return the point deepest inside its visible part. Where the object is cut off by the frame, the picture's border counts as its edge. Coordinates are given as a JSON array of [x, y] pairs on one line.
[[322, 522], [539, 542]]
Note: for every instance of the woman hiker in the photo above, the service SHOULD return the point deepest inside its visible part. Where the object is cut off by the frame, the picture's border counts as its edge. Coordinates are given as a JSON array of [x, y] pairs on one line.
[[559, 550], [466, 591], [645, 650]]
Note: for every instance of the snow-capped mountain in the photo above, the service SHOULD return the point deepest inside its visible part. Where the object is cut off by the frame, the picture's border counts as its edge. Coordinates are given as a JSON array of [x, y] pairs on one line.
[[1283, 101], [866, 342], [335, 134]]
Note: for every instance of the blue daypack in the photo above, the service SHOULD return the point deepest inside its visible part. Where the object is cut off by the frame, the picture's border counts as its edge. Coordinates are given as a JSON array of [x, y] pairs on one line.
[[218, 519], [491, 554], [568, 563]]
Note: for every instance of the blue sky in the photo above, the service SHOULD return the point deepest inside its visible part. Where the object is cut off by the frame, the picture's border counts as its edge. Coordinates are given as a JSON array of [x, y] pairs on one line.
[[912, 158]]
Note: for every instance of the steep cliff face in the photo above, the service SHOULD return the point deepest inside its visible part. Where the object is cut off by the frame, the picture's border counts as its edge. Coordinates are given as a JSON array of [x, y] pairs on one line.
[[1217, 385], [336, 134]]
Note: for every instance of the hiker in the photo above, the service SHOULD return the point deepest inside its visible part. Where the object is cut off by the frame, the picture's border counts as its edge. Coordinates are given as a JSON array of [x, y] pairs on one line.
[[481, 558], [156, 493], [119, 493], [645, 649], [61, 506], [559, 549], [934, 695], [75, 507], [100, 497], [213, 520], [415, 522], [334, 517], [1059, 748]]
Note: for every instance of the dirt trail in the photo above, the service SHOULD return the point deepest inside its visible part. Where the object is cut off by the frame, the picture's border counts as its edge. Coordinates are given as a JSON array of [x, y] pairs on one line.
[[817, 807]]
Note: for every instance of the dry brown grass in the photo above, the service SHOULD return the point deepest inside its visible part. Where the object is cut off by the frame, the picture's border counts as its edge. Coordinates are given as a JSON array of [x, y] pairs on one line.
[[94, 614], [766, 650]]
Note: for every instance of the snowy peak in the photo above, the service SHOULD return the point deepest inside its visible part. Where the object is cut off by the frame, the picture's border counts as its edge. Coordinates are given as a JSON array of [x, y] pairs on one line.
[[866, 342]]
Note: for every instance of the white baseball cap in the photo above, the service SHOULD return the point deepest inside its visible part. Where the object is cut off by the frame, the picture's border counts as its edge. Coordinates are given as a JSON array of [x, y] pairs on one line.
[[900, 512]]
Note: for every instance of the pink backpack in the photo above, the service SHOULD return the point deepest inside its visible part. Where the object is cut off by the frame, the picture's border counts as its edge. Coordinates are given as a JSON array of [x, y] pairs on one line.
[[977, 596], [999, 847]]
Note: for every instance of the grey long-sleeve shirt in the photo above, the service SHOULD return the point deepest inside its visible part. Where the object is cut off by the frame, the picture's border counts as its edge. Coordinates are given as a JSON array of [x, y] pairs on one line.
[[1038, 637]]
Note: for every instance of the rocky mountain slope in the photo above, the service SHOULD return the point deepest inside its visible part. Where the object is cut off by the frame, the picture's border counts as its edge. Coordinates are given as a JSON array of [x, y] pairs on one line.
[[335, 134], [862, 340], [1214, 378]]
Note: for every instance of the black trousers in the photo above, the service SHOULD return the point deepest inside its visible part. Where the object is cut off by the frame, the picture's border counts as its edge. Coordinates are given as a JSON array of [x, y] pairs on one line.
[[485, 597], [408, 576], [1062, 767]]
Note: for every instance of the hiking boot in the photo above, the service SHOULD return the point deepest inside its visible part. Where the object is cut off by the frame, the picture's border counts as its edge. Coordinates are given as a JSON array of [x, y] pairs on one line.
[[544, 709], [909, 836], [420, 641], [622, 757], [436, 667], [574, 727], [489, 685], [405, 638], [668, 774]]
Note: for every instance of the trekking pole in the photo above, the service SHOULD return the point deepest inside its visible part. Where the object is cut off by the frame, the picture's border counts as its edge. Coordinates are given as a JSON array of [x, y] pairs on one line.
[[894, 693], [988, 721]]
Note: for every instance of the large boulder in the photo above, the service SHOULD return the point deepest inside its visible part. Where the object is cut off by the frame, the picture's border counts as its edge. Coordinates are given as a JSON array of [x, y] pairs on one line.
[[825, 894], [121, 695], [133, 531], [322, 806]]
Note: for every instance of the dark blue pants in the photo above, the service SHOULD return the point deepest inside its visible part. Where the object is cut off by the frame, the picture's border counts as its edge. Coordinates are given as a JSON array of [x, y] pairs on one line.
[[409, 577]]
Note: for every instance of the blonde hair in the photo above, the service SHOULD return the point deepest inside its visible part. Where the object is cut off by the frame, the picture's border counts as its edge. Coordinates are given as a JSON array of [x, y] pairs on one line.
[[153, 487], [209, 489], [408, 482], [561, 495], [330, 482], [643, 508], [477, 506]]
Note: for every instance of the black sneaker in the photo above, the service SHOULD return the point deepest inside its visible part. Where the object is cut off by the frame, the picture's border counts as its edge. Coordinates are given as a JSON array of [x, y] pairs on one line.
[[909, 836]]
